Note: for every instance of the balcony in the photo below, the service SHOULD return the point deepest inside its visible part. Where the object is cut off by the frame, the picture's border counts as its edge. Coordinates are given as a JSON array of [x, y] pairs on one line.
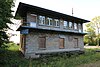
[[44, 27]]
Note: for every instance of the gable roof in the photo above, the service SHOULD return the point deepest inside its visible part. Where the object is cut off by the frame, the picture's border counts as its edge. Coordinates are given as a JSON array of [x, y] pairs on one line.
[[23, 9]]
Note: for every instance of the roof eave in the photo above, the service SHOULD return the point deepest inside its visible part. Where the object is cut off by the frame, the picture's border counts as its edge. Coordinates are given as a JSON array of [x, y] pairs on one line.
[[24, 8]]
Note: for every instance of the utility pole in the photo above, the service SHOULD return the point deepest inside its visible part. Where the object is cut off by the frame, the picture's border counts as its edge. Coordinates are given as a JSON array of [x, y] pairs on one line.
[[72, 12]]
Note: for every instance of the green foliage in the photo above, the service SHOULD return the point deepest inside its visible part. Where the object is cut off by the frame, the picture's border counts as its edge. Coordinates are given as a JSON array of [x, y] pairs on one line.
[[90, 37], [5, 13], [13, 58], [93, 29], [3, 39], [5, 16], [96, 23]]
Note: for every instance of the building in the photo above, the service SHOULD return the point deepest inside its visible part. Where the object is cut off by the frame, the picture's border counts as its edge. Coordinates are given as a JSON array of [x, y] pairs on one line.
[[46, 31]]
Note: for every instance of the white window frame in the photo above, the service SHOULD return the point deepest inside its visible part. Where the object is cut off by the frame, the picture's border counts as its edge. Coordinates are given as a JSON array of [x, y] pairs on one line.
[[65, 24], [75, 26], [57, 23], [50, 23], [42, 20], [70, 25], [80, 27]]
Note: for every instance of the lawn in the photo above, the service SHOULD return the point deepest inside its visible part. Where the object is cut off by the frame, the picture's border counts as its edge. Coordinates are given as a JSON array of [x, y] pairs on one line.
[[12, 57]]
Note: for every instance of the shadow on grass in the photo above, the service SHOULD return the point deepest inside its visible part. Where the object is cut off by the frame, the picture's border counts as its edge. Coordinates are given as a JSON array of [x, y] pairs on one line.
[[9, 58]]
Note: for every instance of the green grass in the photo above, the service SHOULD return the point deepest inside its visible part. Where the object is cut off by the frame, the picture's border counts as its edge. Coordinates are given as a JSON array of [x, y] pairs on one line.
[[12, 57]]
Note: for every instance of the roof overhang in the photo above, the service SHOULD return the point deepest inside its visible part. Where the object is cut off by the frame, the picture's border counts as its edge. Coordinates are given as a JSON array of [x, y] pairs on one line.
[[23, 9]]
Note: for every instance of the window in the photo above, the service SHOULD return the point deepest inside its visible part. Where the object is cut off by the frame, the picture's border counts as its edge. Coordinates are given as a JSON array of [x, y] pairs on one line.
[[80, 27], [33, 18], [61, 43], [76, 42], [65, 24], [70, 25], [42, 42], [56, 23], [75, 26], [49, 21], [42, 20]]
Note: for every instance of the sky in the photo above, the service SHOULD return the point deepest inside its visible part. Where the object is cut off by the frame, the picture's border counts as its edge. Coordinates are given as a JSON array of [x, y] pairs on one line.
[[85, 9]]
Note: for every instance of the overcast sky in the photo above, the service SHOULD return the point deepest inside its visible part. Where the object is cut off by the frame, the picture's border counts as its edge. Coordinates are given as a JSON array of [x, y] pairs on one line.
[[86, 9]]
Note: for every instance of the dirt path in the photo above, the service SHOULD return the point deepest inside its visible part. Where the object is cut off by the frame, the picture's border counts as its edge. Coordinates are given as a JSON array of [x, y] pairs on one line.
[[91, 46]]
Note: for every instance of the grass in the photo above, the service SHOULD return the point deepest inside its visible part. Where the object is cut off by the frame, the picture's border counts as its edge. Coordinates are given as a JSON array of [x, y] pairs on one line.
[[12, 57], [95, 64]]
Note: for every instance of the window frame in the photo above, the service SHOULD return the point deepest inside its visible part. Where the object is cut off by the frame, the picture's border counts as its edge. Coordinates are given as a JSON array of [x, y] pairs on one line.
[[65, 25], [42, 20], [49, 21], [76, 45], [42, 46], [70, 25], [34, 15], [75, 26], [56, 23], [60, 43], [79, 27]]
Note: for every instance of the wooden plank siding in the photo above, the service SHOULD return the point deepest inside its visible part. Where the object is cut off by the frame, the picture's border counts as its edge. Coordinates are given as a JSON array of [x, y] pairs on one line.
[[22, 43]]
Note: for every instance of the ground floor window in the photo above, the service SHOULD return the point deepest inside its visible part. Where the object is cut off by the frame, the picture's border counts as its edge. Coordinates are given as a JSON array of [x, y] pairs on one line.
[[42, 42], [61, 45], [76, 42]]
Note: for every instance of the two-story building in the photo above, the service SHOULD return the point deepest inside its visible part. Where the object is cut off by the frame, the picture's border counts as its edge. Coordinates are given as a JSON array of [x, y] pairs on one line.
[[46, 31]]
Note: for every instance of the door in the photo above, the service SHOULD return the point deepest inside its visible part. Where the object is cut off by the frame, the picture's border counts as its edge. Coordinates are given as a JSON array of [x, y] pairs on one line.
[[23, 42]]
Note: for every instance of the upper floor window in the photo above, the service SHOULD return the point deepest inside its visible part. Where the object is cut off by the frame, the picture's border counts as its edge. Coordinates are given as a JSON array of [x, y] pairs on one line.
[[31, 18], [70, 25], [65, 24], [80, 27], [75, 26], [42, 20], [49, 21], [56, 23]]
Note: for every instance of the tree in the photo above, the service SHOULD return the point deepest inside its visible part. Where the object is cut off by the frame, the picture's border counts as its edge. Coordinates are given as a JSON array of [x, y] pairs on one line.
[[96, 24], [5, 16], [90, 37]]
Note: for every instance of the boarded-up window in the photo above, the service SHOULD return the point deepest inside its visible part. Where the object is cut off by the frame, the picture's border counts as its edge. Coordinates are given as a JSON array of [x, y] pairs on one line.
[[32, 18], [61, 43], [76, 42], [42, 42]]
